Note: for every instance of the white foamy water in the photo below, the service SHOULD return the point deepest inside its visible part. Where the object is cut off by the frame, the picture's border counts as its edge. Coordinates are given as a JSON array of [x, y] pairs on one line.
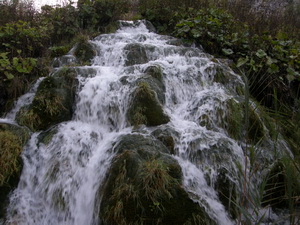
[[63, 172]]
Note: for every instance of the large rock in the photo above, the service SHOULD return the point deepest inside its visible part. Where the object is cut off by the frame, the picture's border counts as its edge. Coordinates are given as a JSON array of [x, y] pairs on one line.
[[147, 99], [167, 136], [53, 102], [84, 51], [136, 54], [12, 140], [144, 187]]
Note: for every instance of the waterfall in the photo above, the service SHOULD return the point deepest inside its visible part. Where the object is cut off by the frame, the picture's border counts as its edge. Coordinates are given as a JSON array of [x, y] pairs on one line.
[[61, 176]]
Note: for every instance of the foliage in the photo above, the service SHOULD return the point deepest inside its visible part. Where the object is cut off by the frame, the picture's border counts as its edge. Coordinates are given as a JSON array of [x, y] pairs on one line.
[[17, 66], [216, 30], [21, 38], [97, 14], [61, 22], [271, 62]]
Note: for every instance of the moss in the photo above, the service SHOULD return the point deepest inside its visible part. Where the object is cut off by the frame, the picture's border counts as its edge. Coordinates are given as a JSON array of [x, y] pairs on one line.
[[57, 51], [235, 119], [235, 122], [145, 108], [84, 51], [154, 71], [166, 137], [256, 129], [136, 54], [46, 136], [111, 28], [221, 76], [12, 141], [53, 102], [204, 121], [11, 147]]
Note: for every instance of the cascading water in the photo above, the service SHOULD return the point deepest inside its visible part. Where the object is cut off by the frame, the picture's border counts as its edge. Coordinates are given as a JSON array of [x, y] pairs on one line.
[[60, 178]]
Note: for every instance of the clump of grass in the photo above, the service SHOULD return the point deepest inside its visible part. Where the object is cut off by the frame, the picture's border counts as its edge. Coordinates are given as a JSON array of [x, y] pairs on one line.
[[139, 117], [27, 117], [10, 150], [156, 182], [123, 196]]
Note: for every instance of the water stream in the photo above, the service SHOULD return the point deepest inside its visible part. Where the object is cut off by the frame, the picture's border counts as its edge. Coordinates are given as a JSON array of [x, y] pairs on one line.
[[60, 179]]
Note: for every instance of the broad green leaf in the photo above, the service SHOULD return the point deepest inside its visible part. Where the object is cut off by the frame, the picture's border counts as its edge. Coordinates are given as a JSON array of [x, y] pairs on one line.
[[271, 60], [292, 72], [273, 68], [260, 53], [9, 76], [15, 61], [290, 77], [242, 61], [227, 51], [196, 33]]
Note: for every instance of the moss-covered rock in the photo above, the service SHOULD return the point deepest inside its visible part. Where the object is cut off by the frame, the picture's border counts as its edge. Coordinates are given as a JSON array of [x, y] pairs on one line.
[[155, 71], [144, 187], [235, 121], [12, 140], [166, 137], [84, 51], [136, 54], [223, 75], [65, 60], [53, 102], [45, 137], [145, 107]]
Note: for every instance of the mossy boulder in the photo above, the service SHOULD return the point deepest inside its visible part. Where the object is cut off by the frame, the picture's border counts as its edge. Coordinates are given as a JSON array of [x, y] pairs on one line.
[[65, 60], [84, 51], [143, 186], [166, 136], [222, 74], [53, 102], [45, 137], [235, 121], [12, 140], [136, 53], [155, 71], [218, 158], [145, 107]]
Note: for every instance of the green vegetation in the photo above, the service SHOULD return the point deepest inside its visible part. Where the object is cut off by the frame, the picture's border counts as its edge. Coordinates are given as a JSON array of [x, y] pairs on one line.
[[12, 141], [145, 108], [11, 147], [84, 50]]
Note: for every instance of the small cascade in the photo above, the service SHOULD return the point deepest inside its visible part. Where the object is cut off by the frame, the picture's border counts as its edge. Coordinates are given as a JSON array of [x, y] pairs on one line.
[[66, 166]]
